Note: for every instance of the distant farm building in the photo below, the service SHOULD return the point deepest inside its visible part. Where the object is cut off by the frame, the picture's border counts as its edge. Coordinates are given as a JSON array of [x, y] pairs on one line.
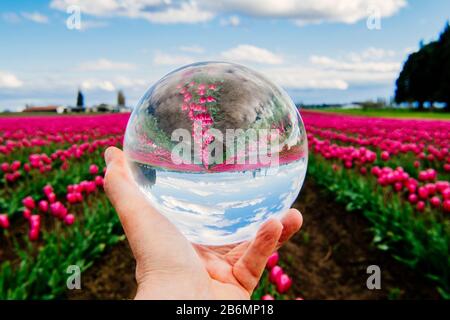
[[55, 109]]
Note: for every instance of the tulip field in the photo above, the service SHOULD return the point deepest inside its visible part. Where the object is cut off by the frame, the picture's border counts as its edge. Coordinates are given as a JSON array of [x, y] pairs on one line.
[[54, 213], [396, 173]]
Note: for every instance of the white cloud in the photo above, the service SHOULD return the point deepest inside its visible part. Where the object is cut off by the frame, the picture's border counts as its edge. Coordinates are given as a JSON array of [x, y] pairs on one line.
[[373, 66], [35, 17], [105, 65], [156, 11], [310, 11], [95, 84], [249, 53], [300, 11], [371, 54], [188, 12], [305, 78], [359, 66], [9, 80], [127, 82], [233, 21], [92, 24], [240, 203], [169, 59], [192, 49]]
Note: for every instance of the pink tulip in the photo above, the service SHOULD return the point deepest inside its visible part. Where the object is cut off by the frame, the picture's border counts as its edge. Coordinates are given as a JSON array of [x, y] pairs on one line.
[[385, 156], [446, 193], [376, 171], [420, 206], [446, 206], [90, 187], [435, 202], [29, 203], [398, 186], [33, 235], [15, 165], [4, 221], [35, 221], [98, 181], [284, 283], [423, 193], [431, 188], [47, 189], [55, 208], [51, 197], [275, 273], [63, 213], [43, 206], [412, 198], [267, 297], [69, 219], [93, 169], [27, 213], [72, 197], [78, 196], [272, 261], [4, 167]]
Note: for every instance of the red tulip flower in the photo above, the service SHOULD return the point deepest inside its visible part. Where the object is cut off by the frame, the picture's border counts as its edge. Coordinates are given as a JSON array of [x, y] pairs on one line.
[[29, 203], [435, 202], [420, 206], [272, 261], [33, 235], [4, 221], [93, 169], [43, 206], [69, 219], [275, 273], [47, 189], [284, 283], [4, 167]]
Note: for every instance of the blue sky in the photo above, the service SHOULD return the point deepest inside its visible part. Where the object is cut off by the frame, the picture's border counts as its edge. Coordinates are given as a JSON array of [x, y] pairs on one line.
[[318, 50]]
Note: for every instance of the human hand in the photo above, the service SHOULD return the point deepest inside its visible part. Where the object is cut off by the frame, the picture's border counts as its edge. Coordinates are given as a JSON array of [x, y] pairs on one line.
[[168, 266]]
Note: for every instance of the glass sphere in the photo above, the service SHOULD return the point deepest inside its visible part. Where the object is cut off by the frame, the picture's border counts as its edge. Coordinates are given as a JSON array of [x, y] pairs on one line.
[[218, 149]]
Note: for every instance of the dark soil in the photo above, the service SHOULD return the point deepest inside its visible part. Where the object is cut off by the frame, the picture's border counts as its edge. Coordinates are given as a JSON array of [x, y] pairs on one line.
[[111, 277], [328, 259]]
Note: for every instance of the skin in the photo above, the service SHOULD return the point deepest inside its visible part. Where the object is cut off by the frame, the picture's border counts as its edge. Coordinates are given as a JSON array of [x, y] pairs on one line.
[[168, 266]]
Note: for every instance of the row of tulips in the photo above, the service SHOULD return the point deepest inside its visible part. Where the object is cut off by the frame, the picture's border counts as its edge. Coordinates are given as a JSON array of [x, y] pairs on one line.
[[275, 283], [396, 172], [53, 209]]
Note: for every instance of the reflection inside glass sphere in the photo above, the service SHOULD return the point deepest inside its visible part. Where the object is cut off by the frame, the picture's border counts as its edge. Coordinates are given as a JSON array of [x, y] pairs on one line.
[[218, 149]]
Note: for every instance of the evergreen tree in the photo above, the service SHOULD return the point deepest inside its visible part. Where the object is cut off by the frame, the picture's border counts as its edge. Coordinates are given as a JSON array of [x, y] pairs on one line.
[[80, 99], [120, 99], [426, 74]]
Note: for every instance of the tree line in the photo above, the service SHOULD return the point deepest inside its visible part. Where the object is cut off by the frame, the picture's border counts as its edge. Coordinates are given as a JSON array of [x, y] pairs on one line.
[[425, 77]]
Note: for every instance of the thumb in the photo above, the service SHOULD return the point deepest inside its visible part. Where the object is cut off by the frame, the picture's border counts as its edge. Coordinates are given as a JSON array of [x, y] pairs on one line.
[[146, 229]]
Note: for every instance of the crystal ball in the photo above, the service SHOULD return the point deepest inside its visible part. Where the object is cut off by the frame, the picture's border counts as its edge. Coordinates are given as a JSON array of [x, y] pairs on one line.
[[218, 149]]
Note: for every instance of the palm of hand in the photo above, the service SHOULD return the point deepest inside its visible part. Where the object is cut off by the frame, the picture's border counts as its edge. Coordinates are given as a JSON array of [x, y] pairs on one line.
[[168, 266]]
